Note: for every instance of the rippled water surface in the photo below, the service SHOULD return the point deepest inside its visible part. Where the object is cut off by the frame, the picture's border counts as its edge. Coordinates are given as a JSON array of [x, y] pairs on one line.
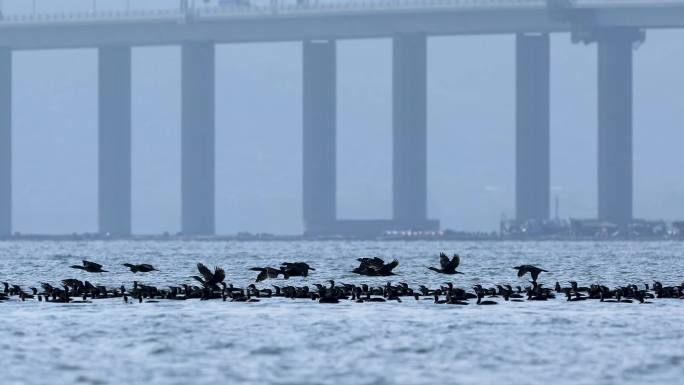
[[281, 341]]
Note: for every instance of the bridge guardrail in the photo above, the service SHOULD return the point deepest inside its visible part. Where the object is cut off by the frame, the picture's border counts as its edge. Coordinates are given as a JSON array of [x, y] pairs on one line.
[[260, 10], [316, 7]]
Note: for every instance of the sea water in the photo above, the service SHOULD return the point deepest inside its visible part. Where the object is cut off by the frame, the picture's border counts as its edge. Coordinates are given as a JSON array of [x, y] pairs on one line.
[[284, 341]]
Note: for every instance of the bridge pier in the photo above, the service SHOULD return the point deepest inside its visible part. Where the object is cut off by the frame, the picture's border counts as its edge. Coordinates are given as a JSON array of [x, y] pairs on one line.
[[197, 139], [5, 142], [114, 104], [532, 182], [409, 131], [615, 186], [319, 188]]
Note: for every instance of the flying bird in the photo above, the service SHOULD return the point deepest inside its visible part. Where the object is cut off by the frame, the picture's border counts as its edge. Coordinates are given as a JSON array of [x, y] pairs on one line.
[[209, 279], [447, 266], [266, 272], [295, 269], [375, 267], [533, 270], [90, 267], [141, 268]]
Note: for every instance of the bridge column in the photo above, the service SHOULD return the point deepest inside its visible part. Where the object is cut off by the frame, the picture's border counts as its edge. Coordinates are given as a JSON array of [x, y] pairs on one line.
[[410, 131], [5, 142], [114, 183], [197, 148], [615, 124], [319, 136], [532, 182]]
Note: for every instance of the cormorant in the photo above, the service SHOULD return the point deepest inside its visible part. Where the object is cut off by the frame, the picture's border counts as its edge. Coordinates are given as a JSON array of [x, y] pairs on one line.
[[90, 267], [533, 270], [141, 268], [447, 266], [295, 269], [266, 272], [210, 280], [375, 267], [480, 295]]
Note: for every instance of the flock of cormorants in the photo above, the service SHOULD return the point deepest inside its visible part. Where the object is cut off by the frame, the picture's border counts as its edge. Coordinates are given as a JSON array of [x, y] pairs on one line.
[[212, 285]]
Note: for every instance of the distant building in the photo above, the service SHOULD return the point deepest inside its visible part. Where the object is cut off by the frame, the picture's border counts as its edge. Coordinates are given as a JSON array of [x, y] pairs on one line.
[[677, 229], [592, 228], [534, 228]]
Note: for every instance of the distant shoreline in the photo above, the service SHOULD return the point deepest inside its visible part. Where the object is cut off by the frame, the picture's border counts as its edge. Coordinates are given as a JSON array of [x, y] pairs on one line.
[[299, 238]]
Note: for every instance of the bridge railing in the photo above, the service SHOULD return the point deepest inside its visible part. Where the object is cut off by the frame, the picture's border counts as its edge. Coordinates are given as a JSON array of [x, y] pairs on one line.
[[276, 8], [314, 7]]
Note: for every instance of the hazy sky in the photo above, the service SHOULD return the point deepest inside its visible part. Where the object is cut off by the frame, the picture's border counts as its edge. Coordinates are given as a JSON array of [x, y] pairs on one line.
[[258, 131]]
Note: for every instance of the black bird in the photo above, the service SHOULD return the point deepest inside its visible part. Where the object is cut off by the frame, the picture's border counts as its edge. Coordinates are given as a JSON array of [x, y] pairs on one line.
[[141, 268], [266, 272], [90, 267], [480, 295], [295, 269], [533, 270], [375, 267], [210, 280], [447, 266]]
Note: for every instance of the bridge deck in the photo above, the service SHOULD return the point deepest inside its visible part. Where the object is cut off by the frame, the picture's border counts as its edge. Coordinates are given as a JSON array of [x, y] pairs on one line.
[[344, 20]]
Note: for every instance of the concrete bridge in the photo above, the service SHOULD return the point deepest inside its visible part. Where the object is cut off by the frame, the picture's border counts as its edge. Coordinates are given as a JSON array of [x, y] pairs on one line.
[[615, 25]]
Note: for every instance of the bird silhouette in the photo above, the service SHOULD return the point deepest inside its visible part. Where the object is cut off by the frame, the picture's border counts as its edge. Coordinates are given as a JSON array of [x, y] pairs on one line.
[[375, 267], [90, 267], [447, 266], [533, 270], [141, 268], [266, 272], [209, 279]]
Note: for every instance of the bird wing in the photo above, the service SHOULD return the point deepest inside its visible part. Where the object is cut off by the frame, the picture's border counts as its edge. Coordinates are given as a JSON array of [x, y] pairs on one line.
[[443, 260], [147, 266], [91, 264], [523, 270], [304, 265], [455, 261], [206, 273], [375, 261], [219, 275], [200, 280], [390, 266], [262, 275]]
